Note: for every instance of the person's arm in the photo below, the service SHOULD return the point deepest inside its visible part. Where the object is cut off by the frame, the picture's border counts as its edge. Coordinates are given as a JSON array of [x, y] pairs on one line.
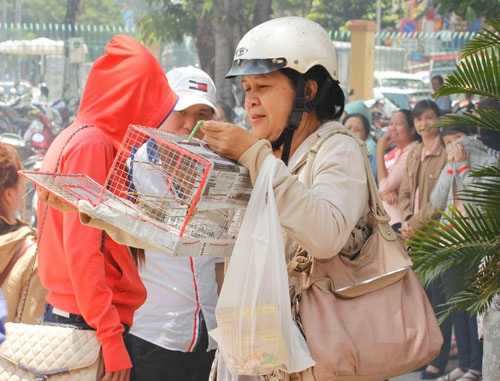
[[461, 157], [53, 201], [319, 219], [440, 193], [404, 197], [383, 145], [219, 275]]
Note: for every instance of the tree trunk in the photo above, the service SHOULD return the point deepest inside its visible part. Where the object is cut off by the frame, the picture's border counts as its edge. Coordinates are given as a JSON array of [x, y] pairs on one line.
[[216, 43], [206, 45], [227, 30], [71, 12], [262, 11]]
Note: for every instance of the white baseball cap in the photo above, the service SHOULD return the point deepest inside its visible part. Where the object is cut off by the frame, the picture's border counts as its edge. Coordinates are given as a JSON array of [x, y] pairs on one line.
[[193, 86]]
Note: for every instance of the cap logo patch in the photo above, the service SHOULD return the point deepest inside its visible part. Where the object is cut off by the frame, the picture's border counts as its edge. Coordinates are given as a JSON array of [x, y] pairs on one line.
[[200, 86]]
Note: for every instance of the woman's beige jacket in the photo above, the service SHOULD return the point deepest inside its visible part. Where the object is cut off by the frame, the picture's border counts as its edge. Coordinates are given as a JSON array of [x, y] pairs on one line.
[[319, 220], [14, 285]]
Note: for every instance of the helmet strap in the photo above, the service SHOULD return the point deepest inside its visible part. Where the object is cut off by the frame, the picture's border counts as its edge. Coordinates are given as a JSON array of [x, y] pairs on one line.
[[300, 105]]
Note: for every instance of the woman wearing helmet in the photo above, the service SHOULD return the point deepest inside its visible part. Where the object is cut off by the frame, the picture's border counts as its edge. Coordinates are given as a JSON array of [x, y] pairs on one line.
[[288, 69]]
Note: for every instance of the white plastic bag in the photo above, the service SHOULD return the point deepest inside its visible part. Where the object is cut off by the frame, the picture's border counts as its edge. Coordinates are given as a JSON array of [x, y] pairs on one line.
[[256, 333]]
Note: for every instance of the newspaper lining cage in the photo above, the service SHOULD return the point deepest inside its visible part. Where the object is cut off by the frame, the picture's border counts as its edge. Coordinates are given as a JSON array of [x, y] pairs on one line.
[[176, 195]]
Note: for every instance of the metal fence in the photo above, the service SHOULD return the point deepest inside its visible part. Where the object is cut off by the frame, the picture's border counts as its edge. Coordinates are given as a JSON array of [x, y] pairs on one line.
[[30, 52], [418, 52], [63, 54]]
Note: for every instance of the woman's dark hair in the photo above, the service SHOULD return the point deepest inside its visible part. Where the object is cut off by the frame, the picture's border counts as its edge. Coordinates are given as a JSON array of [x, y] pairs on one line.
[[439, 78], [423, 105], [10, 163], [408, 116], [366, 123], [449, 130], [331, 106]]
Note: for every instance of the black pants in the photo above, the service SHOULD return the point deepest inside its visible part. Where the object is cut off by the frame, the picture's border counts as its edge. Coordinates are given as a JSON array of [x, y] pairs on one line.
[[154, 363], [436, 296]]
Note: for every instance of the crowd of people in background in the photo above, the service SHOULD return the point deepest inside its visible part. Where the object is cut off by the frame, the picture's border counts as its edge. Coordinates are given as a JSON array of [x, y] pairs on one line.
[[421, 171]]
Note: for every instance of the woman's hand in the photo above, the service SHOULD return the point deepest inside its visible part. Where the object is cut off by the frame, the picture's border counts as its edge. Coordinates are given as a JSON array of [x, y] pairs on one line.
[[53, 201], [226, 139], [119, 375], [406, 230], [383, 144], [456, 152], [460, 154], [390, 197]]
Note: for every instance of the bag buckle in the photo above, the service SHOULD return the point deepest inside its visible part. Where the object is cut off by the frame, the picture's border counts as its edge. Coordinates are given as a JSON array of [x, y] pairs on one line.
[[300, 262]]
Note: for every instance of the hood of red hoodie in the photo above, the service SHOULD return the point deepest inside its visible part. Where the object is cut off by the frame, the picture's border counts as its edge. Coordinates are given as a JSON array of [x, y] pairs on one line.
[[125, 86]]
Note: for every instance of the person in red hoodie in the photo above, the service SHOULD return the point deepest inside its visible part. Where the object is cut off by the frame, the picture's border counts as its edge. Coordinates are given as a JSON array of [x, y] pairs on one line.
[[92, 281]]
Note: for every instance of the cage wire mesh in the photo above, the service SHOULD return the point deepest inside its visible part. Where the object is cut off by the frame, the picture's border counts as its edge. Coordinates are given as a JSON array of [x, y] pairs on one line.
[[172, 193]]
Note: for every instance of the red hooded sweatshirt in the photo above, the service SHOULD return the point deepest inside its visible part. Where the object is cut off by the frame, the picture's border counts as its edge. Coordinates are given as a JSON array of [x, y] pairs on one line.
[[125, 86]]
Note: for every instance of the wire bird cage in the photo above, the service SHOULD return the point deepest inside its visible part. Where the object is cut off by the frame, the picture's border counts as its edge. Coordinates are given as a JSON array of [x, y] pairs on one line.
[[174, 194]]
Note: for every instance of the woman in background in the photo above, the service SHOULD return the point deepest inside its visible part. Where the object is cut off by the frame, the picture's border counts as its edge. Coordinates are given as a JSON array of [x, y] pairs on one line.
[[17, 245], [401, 133], [423, 167], [360, 125]]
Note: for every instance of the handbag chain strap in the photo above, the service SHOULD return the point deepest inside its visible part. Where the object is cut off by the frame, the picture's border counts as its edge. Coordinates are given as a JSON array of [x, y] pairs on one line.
[[33, 261]]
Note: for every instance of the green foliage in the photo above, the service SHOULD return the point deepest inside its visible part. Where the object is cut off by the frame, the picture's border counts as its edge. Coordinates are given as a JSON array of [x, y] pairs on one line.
[[477, 74], [461, 244], [100, 12], [168, 21], [91, 12], [292, 7], [469, 10], [333, 15], [469, 243], [43, 11]]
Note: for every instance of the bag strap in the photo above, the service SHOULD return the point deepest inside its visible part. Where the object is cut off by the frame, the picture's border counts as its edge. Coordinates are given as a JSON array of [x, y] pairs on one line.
[[33, 261], [375, 203]]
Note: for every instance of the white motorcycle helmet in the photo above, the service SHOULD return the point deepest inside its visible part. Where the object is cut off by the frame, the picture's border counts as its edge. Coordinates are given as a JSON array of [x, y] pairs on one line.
[[286, 42]]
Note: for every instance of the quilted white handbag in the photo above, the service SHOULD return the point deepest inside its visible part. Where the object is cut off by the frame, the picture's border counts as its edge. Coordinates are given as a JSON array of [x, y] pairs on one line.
[[41, 352]]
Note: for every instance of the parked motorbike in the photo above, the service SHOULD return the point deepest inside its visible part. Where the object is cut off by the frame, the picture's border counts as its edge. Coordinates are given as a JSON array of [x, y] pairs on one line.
[[12, 115], [5, 121], [43, 130], [67, 109], [34, 127]]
